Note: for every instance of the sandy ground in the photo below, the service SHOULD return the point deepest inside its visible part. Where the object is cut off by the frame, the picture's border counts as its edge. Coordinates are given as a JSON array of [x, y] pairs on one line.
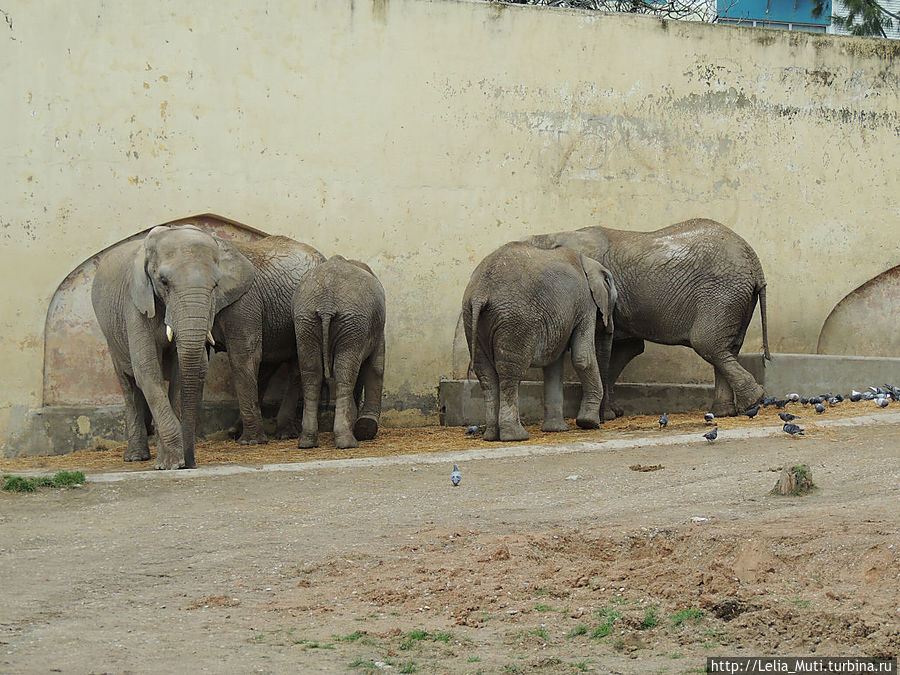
[[558, 559]]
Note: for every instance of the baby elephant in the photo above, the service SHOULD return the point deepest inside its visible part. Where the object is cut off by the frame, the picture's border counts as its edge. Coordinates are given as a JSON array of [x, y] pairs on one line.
[[339, 322], [524, 307]]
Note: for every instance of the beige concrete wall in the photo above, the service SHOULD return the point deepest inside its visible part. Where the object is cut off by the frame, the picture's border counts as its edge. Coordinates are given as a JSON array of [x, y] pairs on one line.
[[420, 135]]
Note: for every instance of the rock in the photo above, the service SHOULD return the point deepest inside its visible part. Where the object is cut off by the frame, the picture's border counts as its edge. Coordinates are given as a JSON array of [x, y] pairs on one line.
[[794, 481]]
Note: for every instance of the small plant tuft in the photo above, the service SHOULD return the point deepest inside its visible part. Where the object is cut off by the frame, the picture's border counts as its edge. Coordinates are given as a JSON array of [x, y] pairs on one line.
[[683, 616], [650, 619], [409, 667], [578, 630]]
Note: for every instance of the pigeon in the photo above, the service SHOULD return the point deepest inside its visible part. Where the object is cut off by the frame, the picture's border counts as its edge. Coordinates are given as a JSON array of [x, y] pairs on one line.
[[792, 429], [664, 421], [455, 476], [820, 408], [780, 404], [787, 417], [472, 430], [804, 400], [839, 397], [712, 434], [867, 396], [816, 399], [751, 412], [709, 418], [767, 401], [855, 396], [833, 401], [882, 402], [793, 398]]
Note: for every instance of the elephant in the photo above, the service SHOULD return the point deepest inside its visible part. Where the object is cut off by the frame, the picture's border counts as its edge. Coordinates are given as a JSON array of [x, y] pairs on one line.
[[257, 331], [695, 283], [339, 312], [525, 306], [155, 300]]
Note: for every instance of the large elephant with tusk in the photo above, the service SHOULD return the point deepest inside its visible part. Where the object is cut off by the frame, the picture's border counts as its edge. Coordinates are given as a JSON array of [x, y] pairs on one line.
[[156, 300]]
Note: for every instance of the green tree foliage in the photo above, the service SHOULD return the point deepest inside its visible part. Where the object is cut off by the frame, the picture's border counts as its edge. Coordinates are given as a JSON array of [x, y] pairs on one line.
[[864, 17]]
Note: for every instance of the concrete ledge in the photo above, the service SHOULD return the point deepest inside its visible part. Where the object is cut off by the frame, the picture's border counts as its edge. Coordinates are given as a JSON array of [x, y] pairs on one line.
[[461, 402]]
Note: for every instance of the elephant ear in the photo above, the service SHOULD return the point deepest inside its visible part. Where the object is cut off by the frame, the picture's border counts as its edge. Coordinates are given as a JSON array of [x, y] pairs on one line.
[[237, 273], [603, 289], [141, 287]]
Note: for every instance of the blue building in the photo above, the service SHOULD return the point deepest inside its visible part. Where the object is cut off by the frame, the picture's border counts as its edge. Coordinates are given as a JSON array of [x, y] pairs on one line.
[[784, 14]]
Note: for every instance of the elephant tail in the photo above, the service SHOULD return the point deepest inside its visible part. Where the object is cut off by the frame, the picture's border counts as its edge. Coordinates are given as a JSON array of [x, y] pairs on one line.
[[761, 292], [476, 310], [326, 352]]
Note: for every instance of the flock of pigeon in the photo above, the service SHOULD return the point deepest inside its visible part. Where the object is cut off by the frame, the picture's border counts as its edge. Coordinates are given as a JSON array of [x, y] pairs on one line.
[[882, 396]]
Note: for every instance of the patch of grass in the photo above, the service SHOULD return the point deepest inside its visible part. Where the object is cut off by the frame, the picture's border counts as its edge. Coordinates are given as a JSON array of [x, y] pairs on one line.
[[799, 602], [367, 664], [686, 616], [578, 630], [619, 644], [473, 659], [651, 619], [676, 656], [63, 479], [608, 616], [543, 608], [352, 637], [511, 668], [419, 635], [582, 666], [541, 633], [409, 667]]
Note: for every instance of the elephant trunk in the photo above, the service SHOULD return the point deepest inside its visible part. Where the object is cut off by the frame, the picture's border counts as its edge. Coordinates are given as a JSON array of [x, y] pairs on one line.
[[190, 342]]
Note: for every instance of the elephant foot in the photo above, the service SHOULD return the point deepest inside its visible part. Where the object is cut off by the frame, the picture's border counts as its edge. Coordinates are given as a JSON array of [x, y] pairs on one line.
[[617, 410], [307, 441], [551, 426], [289, 430], [750, 397], [365, 428], [166, 461], [725, 409], [491, 433], [607, 415], [514, 433], [253, 439], [588, 421], [141, 454], [344, 440]]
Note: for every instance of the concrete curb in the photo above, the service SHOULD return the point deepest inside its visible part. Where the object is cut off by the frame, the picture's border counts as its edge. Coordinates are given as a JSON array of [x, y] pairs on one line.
[[498, 452]]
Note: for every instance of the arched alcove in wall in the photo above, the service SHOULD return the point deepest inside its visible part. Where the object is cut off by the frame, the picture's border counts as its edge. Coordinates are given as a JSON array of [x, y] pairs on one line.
[[867, 321], [77, 367]]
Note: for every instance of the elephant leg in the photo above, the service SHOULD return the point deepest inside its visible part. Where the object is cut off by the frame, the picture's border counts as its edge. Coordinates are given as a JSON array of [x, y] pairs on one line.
[[311, 381], [510, 372], [584, 360], [490, 392], [286, 420], [347, 366], [245, 361], [136, 416], [623, 351], [553, 397], [169, 442], [372, 379], [730, 377]]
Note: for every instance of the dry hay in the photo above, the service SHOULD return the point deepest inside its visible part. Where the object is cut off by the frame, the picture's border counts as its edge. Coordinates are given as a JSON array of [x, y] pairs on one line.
[[414, 440]]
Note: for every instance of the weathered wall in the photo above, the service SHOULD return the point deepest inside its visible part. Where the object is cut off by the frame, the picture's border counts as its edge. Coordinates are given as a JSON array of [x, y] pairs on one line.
[[420, 135]]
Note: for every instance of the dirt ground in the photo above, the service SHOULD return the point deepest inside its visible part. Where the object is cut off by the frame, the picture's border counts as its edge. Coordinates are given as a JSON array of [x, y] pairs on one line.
[[556, 562]]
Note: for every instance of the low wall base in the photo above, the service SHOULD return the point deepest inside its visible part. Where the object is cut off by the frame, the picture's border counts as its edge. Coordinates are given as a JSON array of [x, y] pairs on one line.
[[461, 402]]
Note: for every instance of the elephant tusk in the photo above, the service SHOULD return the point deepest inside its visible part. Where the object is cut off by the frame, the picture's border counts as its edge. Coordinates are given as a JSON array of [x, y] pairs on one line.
[[209, 338], [169, 332]]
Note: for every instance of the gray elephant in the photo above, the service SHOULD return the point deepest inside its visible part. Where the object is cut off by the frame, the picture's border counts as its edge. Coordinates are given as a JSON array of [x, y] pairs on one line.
[[257, 331], [524, 307], [155, 300], [339, 311], [695, 284]]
